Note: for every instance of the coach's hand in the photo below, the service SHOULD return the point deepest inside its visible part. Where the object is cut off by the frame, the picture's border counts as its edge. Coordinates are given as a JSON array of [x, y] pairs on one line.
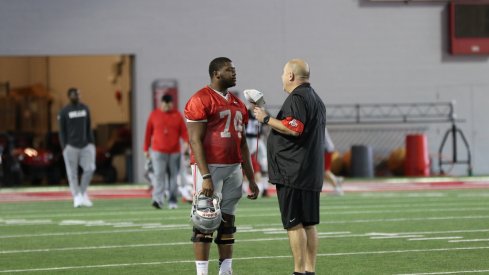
[[254, 191], [260, 113]]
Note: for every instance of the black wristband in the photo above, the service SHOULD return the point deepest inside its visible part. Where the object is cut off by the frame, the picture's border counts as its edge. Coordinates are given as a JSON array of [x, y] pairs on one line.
[[206, 176], [266, 119]]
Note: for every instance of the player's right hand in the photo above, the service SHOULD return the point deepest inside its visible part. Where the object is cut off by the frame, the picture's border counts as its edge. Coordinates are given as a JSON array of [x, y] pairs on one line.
[[208, 187]]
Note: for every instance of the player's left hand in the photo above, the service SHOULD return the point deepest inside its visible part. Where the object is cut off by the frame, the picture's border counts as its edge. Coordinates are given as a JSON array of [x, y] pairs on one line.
[[254, 191]]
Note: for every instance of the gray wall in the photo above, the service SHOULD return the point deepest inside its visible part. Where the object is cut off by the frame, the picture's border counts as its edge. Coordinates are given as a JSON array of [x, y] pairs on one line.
[[358, 51]]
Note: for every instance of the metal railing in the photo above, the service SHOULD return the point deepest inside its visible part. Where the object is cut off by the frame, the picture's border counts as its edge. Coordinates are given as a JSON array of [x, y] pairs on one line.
[[385, 113]]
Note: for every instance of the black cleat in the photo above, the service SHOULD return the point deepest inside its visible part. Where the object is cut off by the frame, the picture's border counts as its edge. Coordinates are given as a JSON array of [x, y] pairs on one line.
[[156, 205]]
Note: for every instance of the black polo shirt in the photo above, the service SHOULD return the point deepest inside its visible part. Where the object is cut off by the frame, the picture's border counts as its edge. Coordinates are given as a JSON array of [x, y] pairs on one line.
[[298, 162]]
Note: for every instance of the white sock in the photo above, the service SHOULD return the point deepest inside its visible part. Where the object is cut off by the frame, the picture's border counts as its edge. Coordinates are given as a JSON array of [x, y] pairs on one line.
[[202, 267], [226, 267]]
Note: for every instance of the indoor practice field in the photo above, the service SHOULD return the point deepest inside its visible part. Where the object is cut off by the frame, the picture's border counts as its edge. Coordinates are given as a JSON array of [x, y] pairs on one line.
[[388, 232]]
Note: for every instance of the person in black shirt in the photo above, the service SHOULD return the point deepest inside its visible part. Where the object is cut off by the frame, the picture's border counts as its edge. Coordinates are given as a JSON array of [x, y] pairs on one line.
[[76, 138], [296, 161]]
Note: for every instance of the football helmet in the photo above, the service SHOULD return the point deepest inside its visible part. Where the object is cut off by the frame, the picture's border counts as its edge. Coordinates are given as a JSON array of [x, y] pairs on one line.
[[206, 213], [254, 96]]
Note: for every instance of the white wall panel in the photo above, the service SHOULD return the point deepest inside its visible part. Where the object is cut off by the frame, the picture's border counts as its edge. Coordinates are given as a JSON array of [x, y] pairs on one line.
[[358, 51]]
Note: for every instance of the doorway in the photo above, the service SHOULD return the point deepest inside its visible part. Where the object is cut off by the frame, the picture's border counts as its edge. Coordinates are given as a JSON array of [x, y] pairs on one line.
[[33, 89]]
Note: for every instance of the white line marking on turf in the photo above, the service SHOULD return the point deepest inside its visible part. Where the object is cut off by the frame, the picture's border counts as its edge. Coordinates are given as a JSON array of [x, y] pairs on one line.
[[395, 237], [408, 207], [91, 247], [250, 229], [87, 232], [356, 212], [332, 233], [93, 266], [436, 238], [406, 219], [187, 226], [249, 258], [405, 251], [404, 195], [440, 232], [124, 246], [448, 272], [469, 240], [119, 224], [480, 194], [24, 222]]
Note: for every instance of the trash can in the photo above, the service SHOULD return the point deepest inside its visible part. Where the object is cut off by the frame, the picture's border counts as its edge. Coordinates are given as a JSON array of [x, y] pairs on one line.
[[362, 165], [417, 161]]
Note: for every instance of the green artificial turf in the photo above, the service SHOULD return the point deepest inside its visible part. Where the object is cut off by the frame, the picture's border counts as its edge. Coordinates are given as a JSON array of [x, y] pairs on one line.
[[435, 232]]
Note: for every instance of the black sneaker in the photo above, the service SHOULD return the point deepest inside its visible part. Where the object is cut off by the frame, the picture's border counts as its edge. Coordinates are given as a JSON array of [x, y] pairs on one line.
[[156, 205]]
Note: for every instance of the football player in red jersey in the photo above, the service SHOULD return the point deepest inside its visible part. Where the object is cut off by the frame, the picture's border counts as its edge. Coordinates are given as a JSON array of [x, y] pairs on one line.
[[215, 122]]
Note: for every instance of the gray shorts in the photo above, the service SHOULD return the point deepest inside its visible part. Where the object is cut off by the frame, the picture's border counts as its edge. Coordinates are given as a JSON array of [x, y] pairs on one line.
[[228, 181]]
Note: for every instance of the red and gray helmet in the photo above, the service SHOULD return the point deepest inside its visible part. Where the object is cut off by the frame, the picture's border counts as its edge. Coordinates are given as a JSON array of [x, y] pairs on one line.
[[206, 212]]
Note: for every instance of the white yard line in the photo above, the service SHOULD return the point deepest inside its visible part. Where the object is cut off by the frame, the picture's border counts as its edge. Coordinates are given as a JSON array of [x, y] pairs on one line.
[[435, 238], [406, 219], [440, 232], [85, 233], [326, 210], [449, 272], [395, 237], [469, 240], [332, 233], [7, 221], [322, 235], [118, 265], [249, 228], [91, 247], [124, 246]]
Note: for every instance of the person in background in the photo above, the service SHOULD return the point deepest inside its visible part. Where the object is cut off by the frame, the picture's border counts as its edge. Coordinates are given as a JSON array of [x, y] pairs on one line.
[[258, 153], [216, 119], [296, 161], [77, 141], [185, 184], [336, 182], [149, 174], [164, 130]]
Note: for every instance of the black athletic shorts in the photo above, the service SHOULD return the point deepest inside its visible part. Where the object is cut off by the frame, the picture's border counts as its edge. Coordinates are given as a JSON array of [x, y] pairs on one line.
[[298, 206]]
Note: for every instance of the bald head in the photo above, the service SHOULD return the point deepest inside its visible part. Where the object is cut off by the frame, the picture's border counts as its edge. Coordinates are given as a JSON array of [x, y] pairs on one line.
[[299, 68], [296, 72]]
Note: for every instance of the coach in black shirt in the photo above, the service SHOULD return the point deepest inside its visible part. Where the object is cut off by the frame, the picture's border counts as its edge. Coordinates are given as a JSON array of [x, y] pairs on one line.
[[296, 161]]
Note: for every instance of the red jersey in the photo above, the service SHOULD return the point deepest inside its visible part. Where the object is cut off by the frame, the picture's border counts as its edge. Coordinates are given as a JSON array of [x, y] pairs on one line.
[[164, 130], [225, 117]]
